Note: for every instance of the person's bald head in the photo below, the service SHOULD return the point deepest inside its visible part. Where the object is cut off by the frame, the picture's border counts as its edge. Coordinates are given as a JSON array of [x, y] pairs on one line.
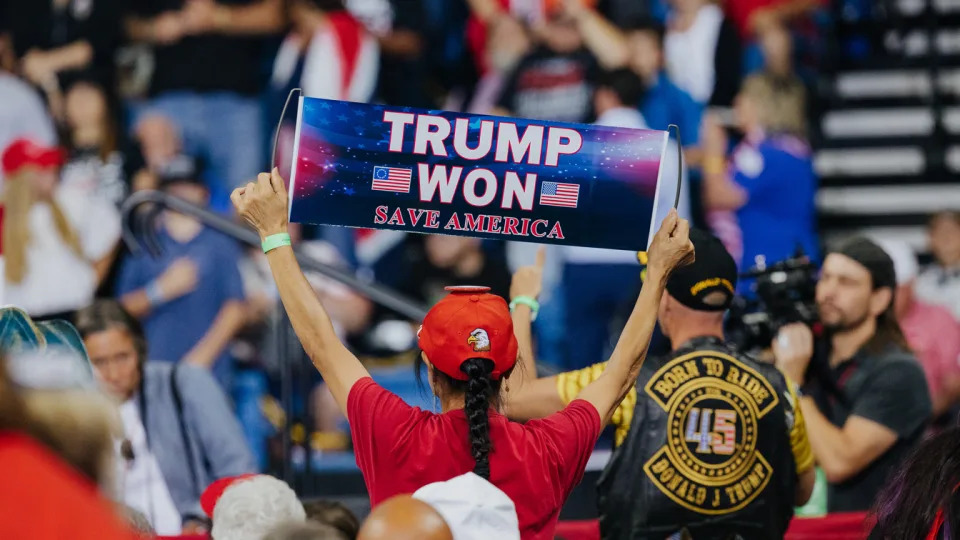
[[404, 518]]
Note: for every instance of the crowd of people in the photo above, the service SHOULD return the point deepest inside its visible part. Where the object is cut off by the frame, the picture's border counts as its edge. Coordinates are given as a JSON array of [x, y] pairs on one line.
[[100, 99]]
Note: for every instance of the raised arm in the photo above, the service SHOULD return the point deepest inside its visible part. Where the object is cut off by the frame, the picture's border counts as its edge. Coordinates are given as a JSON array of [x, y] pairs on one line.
[[600, 36], [529, 397], [671, 247], [263, 204]]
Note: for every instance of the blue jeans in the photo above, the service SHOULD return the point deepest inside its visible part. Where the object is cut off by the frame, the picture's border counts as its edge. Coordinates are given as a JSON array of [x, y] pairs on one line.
[[248, 388], [224, 128], [596, 295]]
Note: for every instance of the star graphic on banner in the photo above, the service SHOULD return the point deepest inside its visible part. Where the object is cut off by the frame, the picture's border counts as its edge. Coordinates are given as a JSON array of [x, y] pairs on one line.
[[361, 146], [475, 123], [343, 118], [359, 112], [378, 107], [349, 191], [324, 105]]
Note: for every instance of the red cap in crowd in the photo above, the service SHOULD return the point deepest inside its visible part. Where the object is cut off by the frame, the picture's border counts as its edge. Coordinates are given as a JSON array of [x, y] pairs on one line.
[[23, 152], [210, 496], [469, 323]]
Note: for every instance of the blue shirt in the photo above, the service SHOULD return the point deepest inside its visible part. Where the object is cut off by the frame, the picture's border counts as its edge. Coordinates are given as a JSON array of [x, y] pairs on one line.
[[665, 103], [173, 328], [779, 215]]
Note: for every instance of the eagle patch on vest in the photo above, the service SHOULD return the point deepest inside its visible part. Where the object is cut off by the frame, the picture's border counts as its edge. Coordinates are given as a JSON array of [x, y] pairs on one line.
[[710, 463]]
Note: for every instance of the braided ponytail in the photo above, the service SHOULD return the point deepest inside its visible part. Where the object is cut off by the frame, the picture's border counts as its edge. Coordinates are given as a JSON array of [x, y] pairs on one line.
[[476, 407]]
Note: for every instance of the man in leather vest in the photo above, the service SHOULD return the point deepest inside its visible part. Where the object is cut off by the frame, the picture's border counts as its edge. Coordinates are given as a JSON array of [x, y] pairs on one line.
[[709, 441]]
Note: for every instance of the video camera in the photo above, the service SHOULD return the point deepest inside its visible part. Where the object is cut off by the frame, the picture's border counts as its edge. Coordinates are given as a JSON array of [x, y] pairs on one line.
[[785, 293]]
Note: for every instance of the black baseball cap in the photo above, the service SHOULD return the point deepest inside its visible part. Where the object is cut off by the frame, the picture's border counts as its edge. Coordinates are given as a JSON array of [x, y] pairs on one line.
[[709, 283], [181, 169], [872, 257]]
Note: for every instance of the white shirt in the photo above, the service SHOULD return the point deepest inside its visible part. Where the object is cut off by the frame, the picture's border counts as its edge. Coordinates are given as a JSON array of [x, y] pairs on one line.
[[939, 286], [141, 482], [57, 279], [690, 54]]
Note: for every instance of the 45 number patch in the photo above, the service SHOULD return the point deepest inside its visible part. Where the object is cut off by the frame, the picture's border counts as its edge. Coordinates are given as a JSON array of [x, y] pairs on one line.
[[710, 463]]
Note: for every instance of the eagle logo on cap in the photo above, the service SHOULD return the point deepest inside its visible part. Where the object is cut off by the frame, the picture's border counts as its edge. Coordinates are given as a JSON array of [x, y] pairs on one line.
[[479, 340]]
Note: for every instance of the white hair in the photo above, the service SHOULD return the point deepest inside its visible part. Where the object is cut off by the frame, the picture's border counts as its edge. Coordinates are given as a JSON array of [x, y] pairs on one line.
[[253, 507]]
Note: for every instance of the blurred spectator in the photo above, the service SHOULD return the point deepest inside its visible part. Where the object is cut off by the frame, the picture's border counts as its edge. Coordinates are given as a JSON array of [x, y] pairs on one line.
[[921, 499], [328, 53], [446, 260], [251, 506], [38, 482], [554, 81], [172, 417], [940, 282], [333, 514], [598, 283], [402, 29], [57, 39], [305, 531], [100, 161], [663, 103], [472, 507], [58, 241], [190, 299], [865, 402], [703, 54], [207, 77], [508, 44], [753, 17], [931, 330], [67, 411], [22, 113], [403, 517], [769, 183]]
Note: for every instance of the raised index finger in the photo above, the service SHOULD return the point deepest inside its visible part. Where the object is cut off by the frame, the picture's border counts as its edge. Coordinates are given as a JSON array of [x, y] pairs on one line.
[[541, 257]]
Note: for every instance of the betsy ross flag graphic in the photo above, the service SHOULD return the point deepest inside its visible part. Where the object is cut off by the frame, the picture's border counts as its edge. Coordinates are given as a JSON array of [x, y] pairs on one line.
[[391, 179], [559, 194]]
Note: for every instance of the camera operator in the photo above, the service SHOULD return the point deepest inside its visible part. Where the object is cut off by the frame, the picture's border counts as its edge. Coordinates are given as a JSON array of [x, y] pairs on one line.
[[867, 402], [708, 439]]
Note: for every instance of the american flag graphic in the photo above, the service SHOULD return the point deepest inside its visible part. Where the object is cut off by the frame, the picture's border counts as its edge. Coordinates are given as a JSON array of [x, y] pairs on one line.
[[559, 194], [391, 179]]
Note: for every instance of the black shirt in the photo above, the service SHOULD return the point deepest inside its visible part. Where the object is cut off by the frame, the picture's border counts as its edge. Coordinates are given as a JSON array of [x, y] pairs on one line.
[[425, 282], [552, 86], [890, 389], [35, 24], [204, 63]]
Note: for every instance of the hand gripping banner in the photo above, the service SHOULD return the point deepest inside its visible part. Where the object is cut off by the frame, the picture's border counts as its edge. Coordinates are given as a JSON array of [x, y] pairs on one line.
[[428, 171]]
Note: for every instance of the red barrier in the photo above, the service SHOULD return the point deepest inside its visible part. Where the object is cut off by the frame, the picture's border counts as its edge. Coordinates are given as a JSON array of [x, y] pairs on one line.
[[841, 526]]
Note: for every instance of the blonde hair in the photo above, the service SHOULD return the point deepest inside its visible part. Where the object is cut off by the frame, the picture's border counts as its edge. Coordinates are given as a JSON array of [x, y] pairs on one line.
[[80, 426], [18, 199], [781, 103]]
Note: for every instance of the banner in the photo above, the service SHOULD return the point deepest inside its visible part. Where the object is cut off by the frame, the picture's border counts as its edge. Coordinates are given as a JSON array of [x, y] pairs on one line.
[[401, 168]]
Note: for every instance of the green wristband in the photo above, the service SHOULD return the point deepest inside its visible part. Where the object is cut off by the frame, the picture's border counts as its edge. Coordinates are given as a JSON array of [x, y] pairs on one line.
[[274, 241], [528, 301]]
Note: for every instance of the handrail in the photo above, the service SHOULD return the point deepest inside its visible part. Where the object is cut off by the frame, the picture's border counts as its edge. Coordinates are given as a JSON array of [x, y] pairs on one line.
[[139, 225]]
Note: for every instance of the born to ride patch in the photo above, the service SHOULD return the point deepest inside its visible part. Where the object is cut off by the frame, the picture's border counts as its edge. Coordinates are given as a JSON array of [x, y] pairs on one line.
[[710, 463]]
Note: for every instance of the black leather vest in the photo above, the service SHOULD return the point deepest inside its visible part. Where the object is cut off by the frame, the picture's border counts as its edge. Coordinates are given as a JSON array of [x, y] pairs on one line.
[[708, 450]]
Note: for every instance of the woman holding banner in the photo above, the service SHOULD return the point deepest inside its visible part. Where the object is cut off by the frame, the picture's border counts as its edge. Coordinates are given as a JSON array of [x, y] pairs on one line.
[[469, 348]]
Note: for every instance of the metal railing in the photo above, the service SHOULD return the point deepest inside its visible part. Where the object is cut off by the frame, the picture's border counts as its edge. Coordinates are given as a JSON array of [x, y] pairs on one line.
[[140, 212]]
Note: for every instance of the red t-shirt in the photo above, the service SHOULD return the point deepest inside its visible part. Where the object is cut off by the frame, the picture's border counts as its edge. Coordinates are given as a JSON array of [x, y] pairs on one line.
[[44, 498], [400, 449]]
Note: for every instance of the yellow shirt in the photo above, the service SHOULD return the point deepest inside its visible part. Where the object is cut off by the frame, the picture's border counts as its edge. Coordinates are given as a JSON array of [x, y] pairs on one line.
[[570, 383]]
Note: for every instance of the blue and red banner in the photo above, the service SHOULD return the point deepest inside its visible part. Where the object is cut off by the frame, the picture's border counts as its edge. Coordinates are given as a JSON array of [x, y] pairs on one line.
[[426, 171]]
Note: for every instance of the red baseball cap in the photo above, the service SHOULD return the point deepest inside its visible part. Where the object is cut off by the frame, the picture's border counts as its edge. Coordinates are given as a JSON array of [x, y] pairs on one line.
[[23, 152], [469, 323], [210, 496]]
